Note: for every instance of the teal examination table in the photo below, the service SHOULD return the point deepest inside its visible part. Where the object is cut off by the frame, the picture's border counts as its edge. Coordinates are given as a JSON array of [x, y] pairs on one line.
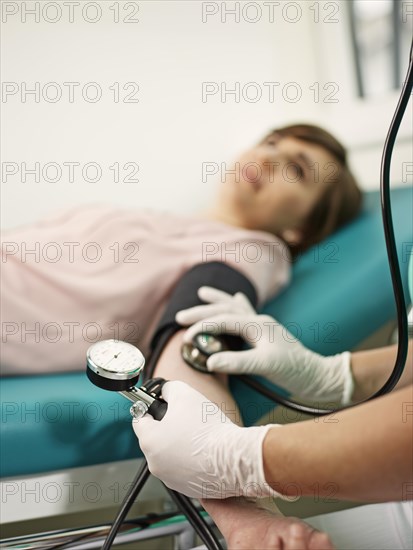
[[340, 294]]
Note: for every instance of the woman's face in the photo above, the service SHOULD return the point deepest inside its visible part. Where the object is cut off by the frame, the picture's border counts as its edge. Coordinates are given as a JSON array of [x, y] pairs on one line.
[[275, 185]]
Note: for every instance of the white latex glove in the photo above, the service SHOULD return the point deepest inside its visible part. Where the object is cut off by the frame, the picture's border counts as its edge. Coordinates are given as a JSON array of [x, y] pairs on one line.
[[196, 450], [276, 354]]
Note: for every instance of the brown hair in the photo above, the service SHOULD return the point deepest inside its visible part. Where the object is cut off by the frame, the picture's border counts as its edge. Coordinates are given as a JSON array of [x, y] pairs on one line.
[[341, 202]]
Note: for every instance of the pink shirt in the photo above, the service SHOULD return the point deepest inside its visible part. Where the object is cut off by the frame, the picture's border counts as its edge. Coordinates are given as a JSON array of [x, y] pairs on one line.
[[97, 271]]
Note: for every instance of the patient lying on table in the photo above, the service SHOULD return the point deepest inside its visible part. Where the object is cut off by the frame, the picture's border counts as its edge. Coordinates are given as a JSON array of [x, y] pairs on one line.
[[96, 272], [118, 267]]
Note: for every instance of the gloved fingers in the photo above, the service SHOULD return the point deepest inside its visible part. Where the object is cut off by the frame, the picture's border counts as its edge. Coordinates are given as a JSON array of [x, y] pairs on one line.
[[147, 427], [198, 313], [217, 302], [214, 295], [222, 323], [237, 302], [174, 391], [168, 389], [233, 362], [180, 396]]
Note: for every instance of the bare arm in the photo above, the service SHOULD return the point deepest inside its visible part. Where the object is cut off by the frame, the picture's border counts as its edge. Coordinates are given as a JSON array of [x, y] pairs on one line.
[[372, 368], [171, 366], [364, 453]]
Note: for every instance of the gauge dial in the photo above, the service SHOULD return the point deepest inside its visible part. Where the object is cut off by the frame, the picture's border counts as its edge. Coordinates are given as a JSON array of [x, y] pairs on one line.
[[115, 358]]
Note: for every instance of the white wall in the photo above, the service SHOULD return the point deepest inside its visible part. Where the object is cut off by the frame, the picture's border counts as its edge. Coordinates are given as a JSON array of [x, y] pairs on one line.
[[169, 53]]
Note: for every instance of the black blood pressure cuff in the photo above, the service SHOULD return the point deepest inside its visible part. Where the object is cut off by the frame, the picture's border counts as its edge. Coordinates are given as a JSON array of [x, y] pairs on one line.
[[185, 295]]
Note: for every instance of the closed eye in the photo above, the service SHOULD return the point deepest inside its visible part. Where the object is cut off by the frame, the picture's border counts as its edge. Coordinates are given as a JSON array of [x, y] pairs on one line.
[[301, 173], [300, 170]]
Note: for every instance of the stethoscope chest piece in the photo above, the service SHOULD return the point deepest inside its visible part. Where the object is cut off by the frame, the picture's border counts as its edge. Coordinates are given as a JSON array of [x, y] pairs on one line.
[[196, 352]]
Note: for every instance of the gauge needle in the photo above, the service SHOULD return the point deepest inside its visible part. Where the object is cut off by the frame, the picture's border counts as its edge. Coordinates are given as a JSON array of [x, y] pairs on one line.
[[114, 357]]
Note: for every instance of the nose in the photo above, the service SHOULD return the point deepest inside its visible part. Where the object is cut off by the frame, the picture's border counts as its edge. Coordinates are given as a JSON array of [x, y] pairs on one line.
[[271, 159]]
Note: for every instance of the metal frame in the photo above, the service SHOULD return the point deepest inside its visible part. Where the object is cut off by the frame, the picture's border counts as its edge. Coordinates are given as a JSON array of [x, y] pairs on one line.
[[182, 530], [396, 47]]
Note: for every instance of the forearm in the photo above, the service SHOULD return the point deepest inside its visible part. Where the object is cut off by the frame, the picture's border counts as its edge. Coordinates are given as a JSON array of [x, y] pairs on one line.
[[363, 453], [171, 366], [372, 368], [222, 509]]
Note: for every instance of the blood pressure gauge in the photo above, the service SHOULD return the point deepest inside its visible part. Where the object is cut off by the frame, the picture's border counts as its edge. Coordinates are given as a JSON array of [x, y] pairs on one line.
[[116, 366]]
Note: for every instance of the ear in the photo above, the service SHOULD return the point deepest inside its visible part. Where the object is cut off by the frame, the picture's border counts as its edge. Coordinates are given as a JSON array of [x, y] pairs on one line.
[[292, 236]]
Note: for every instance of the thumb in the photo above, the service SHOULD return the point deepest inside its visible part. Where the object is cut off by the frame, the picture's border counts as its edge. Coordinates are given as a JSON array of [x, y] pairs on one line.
[[243, 301], [232, 362], [142, 426]]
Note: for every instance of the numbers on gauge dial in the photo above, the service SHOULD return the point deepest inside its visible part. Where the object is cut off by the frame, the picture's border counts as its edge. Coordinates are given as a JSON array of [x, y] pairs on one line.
[[116, 356]]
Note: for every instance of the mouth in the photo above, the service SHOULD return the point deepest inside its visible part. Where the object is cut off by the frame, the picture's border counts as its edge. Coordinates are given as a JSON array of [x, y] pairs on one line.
[[256, 185]]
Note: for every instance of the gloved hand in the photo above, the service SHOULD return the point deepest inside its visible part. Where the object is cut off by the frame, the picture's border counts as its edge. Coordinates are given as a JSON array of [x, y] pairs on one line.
[[275, 354], [196, 450]]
